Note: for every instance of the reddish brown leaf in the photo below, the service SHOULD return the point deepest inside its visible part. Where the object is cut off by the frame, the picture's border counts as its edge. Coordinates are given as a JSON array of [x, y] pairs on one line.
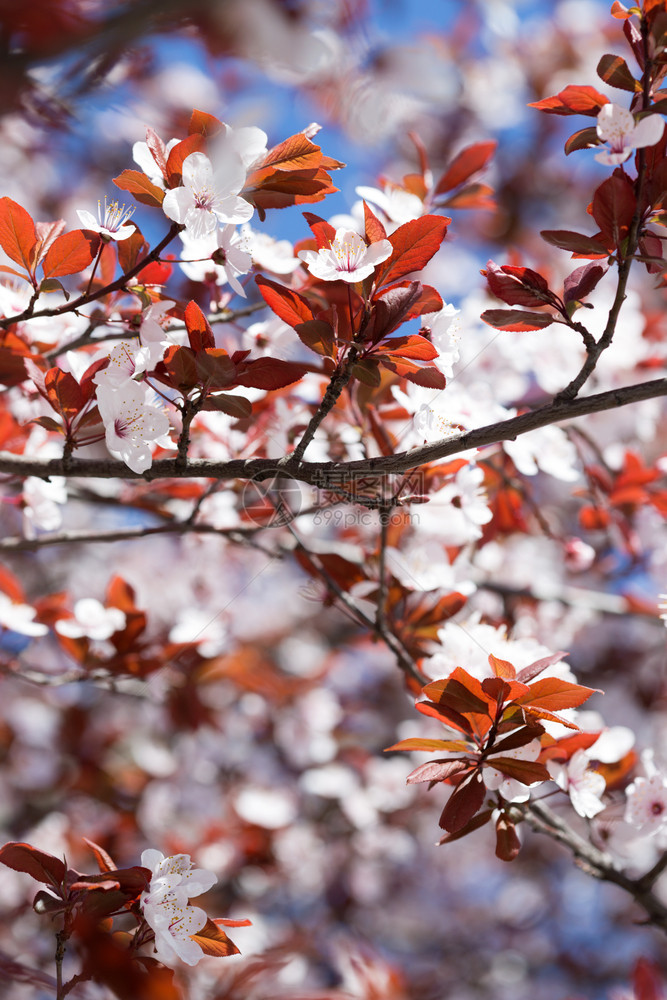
[[374, 230], [573, 100], [472, 196], [213, 941], [585, 246], [614, 71], [318, 336], [323, 231], [131, 250], [508, 844], [468, 162], [581, 282], [554, 694], [517, 286], [582, 139], [425, 375], [413, 346], [528, 772], [414, 243], [460, 691], [63, 393], [516, 320], [437, 770], [140, 187], [466, 799], [614, 206], [502, 668], [200, 334], [291, 307], [71, 253], [18, 236], [392, 307], [178, 369], [270, 373], [224, 402], [474, 824], [103, 859], [38, 864], [533, 669]]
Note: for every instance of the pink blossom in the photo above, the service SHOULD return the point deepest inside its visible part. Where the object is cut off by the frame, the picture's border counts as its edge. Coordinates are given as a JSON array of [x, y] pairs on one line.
[[131, 423], [510, 788], [208, 196], [17, 617], [348, 258], [617, 127], [646, 806], [166, 909]]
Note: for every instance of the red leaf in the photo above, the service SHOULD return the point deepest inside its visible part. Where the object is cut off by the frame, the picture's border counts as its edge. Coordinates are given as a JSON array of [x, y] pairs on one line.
[[574, 100], [620, 11], [528, 772], [291, 307], [323, 231], [426, 376], [295, 153], [158, 150], [391, 308], [374, 230], [508, 844], [71, 253], [474, 824], [63, 393], [46, 234], [502, 668], [468, 162], [581, 282], [318, 336], [201, 123], [200, 334], [460, 691], [131, 250], [178, 369], [193, 144], [533, 669], [463, 803], [225, 402], [517, 286], [586, 246], [140, 187], [516, 320], [39, 865], [647, 981], [554, 694], [614, 206], [271, 373], [413, 346], [414, 243], [437, 770], [18, 236]]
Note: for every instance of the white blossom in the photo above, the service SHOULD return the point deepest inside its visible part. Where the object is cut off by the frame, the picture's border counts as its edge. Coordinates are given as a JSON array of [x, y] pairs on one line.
[[165, 905], [91, 620], [221, 254], [109, 225], [646, 806], [511, 789], [131, 424], [17, 617], [617, 127], [584, 786], [348, 258], [208, 196]]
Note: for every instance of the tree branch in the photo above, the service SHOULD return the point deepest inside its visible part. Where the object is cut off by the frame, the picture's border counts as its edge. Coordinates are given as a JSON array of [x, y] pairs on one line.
[[315, 473]]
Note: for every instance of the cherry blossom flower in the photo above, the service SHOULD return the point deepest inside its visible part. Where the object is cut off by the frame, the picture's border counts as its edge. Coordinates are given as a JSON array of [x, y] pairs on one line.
[[165, 905], [131, 423], [583, 785], [125, 362], [445, 328], [646, 806], [397, 204], [142, 156], [618, 128], [221, 254], [269, 254], [42, 500], [17, 617], [348, 258], [208, 196], [91, 621], [511, 789], [110, 225]]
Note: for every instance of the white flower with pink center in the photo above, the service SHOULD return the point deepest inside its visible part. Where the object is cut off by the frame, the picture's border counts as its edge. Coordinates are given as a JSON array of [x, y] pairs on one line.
[[583, 785], [348, 258], [618, 128], [662, 606], [125, 362], [111, 225], [208, 197], [220, 256], [166, 908], [91, 621], [131, 423], [646, 806]]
